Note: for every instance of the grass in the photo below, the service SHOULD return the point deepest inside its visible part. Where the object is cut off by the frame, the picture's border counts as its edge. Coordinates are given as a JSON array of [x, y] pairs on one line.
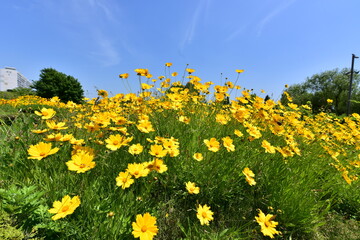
[[306, 177]]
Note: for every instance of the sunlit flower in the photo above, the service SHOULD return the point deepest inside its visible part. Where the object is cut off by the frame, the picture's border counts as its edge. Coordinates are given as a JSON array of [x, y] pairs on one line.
[[329, 101], [228, 144], [145, 227], [249, 176], [103, 93], [238, 133], [66, 207], [137, 170], [267, 225], [41, 150], [124, 180], [46, 113], [81, 162], [268, 148], [136, 149], [191, 188], [174, 74], [115, 142], [212, 144], [239, 70], [38, 131], [157, 165], [55, 126], [124, 75], [190, 70], [184, 119], [198, 156], [168, 64], [145, 126], [157, 151], [142, 71], [204, 214]]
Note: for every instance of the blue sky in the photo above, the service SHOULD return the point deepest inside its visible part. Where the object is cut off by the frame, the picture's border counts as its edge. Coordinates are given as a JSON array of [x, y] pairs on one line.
[[276, 42]]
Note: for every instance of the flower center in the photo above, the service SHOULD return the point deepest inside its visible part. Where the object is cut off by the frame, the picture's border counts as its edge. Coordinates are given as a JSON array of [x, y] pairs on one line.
[[116, 142], [204, 215], [143, 228], [82, 165], [42, 154], [65, 208]]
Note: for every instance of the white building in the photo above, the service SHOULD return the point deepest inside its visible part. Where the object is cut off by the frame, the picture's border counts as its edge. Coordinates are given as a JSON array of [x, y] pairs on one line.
[[10, 78]]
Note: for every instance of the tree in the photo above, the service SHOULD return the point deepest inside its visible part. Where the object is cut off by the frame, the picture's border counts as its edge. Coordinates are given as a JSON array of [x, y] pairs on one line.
[[333, 84], [53, 83]]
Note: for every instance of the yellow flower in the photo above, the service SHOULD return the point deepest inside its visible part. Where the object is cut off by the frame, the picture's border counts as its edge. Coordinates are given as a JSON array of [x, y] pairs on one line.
[[192, 189], [115, 142], [124, 180], [267, 225], [39, 130], [142, 71], [158, 151], [168, 64], [41, 150], [204, 214], [239, 70], [135, 149], [145, 126], [55, 126], [198, 156], [228, 144], [145, 86], [81, 162], [124, 75], [102, 93], [249, 176], [46, 113], [65, 207], [157, 165], [238, 133], [184, 119], [145, 227], [212, 144], [174, 74], [329, 101], [190, 70], [222, 118], [137, 170], [268, 148]]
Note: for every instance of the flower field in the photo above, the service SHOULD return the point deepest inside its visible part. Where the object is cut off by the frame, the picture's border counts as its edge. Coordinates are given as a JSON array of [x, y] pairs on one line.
[[177, 161]]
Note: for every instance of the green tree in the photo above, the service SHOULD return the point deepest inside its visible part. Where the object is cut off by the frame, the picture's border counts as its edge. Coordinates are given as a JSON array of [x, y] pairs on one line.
[[333, 84], [53, 83]]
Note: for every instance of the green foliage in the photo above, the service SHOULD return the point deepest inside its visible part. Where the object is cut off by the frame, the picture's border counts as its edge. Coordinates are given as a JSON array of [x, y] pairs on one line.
[[333, 84], [7, 230], [16, 92], [22, 203], [53, 83], [300, 190]]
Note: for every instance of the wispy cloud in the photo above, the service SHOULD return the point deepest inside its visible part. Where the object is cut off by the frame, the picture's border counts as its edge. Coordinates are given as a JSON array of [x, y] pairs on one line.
[[263, 22], [97, 14], [201, 10], [284, 5], [106, 53]]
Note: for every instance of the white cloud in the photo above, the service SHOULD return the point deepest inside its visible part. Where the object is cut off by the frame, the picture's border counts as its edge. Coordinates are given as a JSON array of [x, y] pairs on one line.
[[273, 14], [105, 52], [201, 10]]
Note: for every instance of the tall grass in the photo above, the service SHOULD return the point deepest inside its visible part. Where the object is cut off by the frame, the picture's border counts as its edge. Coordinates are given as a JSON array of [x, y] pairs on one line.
[[311, 175]]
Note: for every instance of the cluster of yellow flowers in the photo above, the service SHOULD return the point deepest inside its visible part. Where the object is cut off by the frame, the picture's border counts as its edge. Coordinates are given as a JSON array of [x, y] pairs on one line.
[[111, 121]]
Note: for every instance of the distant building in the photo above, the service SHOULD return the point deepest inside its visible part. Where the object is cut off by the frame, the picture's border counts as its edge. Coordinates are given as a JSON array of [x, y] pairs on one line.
[[10, 78]]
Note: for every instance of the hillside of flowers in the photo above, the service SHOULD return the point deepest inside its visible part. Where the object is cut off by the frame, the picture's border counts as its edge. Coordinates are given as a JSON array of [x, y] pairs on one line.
[[179, 159]]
